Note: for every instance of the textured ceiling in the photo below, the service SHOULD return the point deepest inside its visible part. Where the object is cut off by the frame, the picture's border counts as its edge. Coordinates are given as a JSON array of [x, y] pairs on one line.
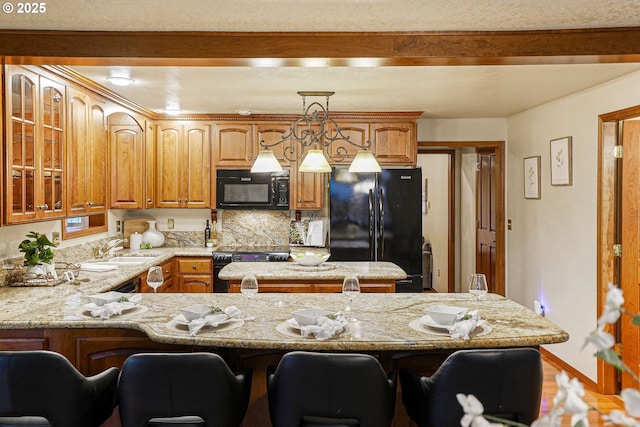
[[439, 91], [326, 15]]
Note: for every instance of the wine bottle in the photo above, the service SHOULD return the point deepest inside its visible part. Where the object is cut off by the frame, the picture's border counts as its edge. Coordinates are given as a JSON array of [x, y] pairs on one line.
[[207, 233]]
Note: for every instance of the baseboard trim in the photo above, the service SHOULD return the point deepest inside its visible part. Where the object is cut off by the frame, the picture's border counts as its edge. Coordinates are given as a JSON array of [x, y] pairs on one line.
[[572, 372]]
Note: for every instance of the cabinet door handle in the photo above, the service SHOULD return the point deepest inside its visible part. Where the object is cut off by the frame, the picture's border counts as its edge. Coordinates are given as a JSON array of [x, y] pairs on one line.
[[194, 266]]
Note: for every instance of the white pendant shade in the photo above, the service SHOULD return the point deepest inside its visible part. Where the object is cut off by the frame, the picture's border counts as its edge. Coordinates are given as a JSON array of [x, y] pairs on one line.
[[315, 161], [364, 162], [266, 162]]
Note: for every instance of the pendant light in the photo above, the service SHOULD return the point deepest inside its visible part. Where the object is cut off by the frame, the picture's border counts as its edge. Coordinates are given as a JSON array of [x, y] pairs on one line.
[[311, 136]]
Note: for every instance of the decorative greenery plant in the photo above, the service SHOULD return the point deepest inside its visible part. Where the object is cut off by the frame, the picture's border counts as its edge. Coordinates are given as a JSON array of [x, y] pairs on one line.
[[36, 249]]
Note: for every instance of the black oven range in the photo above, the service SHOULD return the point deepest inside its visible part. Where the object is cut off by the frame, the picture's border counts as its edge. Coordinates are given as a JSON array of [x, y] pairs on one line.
[[227, 254]]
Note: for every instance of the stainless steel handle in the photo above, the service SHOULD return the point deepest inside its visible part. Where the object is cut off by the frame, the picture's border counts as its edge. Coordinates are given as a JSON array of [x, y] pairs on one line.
[[371, 226], [381, 223]]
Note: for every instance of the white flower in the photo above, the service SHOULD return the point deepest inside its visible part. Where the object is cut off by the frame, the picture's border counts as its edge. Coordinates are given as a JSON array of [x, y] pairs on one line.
[[619, 418], [600, 339], [552, 419], [612, 306], [570, 392], [473, 411], [472, 408], [631, 398]]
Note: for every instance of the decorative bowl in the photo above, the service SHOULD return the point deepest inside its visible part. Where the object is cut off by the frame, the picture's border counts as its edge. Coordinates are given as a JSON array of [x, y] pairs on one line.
[[106, 297], [309, 316], [310, 258], [196, 311], [444, 314]]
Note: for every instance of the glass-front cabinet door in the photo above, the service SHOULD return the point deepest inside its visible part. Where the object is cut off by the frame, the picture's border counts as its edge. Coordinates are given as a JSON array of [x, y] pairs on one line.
[[21, 149], [34, 147], [52, 205]]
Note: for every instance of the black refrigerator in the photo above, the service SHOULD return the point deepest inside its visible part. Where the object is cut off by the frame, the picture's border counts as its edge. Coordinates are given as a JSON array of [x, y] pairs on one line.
[[378, 217]]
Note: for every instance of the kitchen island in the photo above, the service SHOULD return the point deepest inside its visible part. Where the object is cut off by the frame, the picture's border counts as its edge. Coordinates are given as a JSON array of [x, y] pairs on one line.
[[388, 326], [327, 277]]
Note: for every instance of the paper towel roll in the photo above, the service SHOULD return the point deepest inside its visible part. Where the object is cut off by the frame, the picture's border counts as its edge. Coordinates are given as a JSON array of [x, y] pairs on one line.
[[134, 241]]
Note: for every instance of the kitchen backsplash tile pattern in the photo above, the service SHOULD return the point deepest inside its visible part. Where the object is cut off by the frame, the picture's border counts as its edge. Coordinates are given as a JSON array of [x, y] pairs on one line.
[[254, 228]]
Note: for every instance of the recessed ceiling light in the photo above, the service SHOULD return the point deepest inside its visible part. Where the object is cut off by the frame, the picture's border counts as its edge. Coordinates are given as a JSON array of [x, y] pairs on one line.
[[120, 81], [244, 112]]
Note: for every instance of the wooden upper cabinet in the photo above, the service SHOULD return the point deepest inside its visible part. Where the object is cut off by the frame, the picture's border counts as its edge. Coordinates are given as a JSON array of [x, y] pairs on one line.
[[150, 167], [307, 190], [183, 165], [126, 157], [86, 155], [272, 133], [233, 145], [35, 147], [54, 140], [395, 143], [343, 152]]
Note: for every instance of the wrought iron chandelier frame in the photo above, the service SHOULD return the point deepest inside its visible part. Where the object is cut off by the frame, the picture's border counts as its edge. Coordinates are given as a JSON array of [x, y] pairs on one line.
[[312, 130]]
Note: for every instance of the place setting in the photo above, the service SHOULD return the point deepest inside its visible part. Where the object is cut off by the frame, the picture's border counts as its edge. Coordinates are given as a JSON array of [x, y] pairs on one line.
[[456, 322], [109, 304], [323, 324], [197, 317], [315, 323]]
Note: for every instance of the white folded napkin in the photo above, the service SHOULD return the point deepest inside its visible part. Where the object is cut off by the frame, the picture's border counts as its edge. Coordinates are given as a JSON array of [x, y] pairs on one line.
[[469, 322], [325, 327], [113, 308], [214, 320]]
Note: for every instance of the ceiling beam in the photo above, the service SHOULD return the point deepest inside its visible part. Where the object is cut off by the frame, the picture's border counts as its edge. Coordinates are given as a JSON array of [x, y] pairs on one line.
[[337, 49]]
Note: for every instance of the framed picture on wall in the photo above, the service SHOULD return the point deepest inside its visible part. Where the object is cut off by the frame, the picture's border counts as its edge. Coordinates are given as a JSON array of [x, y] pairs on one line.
[[532, 177], [561, 163]]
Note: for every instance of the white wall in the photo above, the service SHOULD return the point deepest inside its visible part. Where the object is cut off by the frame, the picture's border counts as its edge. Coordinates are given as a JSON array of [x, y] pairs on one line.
[[552, 247], [435, 169], [462, 129]]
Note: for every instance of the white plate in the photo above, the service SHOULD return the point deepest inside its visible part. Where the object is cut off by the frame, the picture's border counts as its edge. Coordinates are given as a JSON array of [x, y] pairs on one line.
[[418, 325], [428, 321], [127, 311], [175, 326], [181, 320]]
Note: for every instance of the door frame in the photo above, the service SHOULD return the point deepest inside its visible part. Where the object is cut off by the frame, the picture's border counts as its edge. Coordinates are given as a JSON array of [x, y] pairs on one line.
[[607, 263], [499, 147]]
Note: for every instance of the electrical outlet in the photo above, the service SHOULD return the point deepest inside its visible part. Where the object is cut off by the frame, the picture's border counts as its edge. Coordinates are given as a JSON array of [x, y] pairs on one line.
[[170, 224], [118, 227], [55, 238]]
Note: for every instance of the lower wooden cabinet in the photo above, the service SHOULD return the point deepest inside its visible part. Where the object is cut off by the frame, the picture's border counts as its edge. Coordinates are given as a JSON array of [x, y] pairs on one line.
[[168, 286], [194, 274], [329, 286], [183, 275]]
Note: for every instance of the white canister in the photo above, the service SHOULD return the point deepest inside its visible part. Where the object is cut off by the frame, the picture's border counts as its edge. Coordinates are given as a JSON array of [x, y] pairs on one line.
[[135, 240]]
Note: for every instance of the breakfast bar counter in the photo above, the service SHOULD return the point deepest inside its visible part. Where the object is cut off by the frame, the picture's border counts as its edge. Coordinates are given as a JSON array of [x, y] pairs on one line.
[[385, 322], [377, 276], [388, 326]]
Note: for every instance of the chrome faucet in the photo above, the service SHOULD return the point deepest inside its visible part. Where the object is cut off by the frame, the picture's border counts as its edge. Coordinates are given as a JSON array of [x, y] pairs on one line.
[[104, 248]]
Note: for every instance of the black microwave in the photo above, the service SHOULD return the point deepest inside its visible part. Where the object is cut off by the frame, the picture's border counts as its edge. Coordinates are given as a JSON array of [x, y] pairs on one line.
[[243, 189]]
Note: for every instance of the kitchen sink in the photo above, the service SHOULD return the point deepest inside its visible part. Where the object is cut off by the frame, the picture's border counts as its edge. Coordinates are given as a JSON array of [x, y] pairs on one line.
[[128, 261]]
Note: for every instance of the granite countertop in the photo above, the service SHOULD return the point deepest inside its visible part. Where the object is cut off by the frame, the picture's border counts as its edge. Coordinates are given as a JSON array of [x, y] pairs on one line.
[[326, 271], [94, 282], [383, 320]]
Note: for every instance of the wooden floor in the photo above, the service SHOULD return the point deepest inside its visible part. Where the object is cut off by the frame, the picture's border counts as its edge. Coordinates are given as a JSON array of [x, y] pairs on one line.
[[549, 390]]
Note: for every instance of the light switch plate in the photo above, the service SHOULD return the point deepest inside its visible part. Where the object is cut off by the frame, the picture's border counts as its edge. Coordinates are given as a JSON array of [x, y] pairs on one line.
[[170, 224]]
